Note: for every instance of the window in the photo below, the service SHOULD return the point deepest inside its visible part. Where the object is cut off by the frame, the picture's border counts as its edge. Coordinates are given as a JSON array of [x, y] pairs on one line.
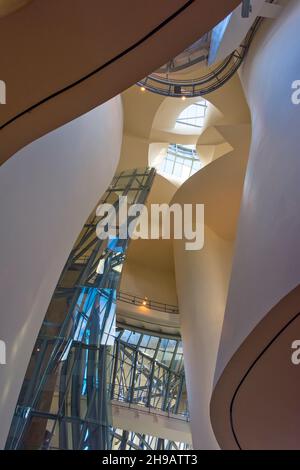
[[192, 117], [181, 161]]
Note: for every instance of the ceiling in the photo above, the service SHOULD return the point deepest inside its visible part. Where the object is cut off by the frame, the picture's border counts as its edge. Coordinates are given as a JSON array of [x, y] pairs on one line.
[[9, 6], [61, 59]]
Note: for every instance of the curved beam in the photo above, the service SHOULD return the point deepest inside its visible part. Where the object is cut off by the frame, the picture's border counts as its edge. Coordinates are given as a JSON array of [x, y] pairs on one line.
[[260, 384]]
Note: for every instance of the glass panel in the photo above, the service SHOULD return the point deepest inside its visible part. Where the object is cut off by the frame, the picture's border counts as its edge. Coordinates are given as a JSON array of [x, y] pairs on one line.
[[180, 162], [192, 117]]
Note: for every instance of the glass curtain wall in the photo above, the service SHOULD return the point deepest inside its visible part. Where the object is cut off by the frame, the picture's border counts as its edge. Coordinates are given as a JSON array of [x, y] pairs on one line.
[[64, 401]]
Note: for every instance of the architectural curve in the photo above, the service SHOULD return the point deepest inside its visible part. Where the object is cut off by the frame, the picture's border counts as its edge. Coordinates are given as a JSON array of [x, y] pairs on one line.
[[202, 277], [259, 377], [263, 290], [88, 73], [9, 6], [42, 211]]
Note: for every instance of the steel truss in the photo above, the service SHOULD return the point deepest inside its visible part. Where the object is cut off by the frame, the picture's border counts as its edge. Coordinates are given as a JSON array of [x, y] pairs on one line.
[[149, 371], [64, 400]]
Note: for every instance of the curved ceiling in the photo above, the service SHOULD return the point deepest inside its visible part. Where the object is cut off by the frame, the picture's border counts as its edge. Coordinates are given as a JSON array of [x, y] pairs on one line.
[[255, 403], [219, 184], [9, 6], [61, 59]]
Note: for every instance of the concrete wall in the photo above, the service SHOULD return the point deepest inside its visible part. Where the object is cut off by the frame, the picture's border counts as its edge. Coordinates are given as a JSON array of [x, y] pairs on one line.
[[47, 190]]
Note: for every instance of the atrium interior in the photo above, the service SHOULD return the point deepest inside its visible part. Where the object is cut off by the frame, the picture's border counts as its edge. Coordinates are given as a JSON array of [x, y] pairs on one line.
[[140, 343]]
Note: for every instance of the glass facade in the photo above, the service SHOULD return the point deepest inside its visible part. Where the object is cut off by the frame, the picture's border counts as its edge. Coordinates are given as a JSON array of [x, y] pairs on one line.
[[64, 401], [82, 362], [128, 440], [149, 371]]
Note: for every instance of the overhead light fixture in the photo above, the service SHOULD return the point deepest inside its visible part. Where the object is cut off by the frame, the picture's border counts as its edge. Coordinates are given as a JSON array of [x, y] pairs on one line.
[[143, 88], [183, 98], [145, 301]]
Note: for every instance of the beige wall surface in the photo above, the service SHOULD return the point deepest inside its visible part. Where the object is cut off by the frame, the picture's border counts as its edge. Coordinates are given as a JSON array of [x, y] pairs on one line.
[[266, 261], [202, 279], [47, 191], [149, 281]]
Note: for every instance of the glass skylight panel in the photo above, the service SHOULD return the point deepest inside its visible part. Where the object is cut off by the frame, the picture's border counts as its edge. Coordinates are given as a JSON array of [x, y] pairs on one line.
[[180, 162], [192, 116]]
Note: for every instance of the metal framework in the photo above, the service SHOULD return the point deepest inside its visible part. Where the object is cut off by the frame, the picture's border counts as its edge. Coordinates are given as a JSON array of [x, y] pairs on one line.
[[128, 440], [164, 82], [196, 53], [180, 161], [144, 301], [192, 116], [144, 370], [64, 400], [148, 370]]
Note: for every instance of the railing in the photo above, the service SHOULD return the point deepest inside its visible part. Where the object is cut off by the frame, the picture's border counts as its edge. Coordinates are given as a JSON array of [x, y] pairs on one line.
[[167, 84], [182, 415], [144, 301], [148, 371]]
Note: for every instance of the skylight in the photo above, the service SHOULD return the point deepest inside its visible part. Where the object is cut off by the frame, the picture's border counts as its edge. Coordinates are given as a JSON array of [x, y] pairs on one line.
[[192, 116], [180, 162]]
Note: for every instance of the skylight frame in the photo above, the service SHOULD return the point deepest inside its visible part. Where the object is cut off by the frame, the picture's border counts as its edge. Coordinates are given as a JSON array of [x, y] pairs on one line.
[[184, 119]]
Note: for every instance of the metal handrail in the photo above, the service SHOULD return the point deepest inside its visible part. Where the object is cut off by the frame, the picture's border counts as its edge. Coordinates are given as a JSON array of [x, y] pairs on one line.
[[143, 408], [144, 301], [207, 83]]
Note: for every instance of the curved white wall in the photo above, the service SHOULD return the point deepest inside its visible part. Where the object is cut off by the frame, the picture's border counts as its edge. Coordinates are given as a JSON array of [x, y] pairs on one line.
[[47, 190], [202, 281], [202, 277], [267, 255]]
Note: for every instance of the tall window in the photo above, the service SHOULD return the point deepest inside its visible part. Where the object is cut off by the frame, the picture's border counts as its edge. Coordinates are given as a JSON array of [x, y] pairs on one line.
[[192, 116]]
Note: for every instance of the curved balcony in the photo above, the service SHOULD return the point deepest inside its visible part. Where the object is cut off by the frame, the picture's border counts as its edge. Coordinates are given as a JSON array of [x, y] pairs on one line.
[[192, 73], [145, 314]]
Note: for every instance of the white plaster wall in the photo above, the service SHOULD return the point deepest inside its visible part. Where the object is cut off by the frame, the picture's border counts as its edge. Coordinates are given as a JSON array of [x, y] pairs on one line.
[[47, 190], [202, 279], [266, 263]]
